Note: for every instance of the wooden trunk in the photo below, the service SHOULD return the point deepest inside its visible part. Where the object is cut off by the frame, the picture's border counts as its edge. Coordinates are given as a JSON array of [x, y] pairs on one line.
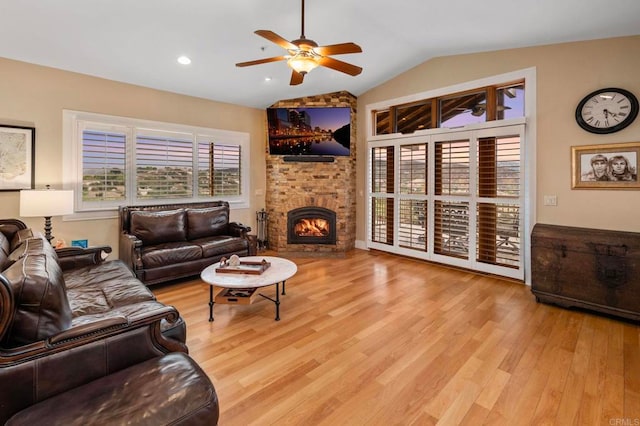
[[587, 268]]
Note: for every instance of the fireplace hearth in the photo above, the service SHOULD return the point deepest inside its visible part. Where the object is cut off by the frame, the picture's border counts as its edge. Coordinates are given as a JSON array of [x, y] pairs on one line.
[[311, 225]]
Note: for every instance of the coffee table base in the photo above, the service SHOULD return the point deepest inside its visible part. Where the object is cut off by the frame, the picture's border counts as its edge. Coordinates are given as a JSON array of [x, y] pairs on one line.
[[276, 301]]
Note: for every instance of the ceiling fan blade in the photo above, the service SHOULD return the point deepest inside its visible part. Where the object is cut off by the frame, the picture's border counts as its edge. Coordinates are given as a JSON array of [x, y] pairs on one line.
[[296, 78], [261, 61], [338, 49], [275, 38], [339, 66]]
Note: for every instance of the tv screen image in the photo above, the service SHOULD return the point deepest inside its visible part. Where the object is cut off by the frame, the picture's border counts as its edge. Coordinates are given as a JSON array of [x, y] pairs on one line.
[[309, 131]]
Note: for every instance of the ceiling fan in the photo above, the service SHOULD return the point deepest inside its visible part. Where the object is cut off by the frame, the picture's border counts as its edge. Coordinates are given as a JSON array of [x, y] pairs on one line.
[[479, 109], [305, 55]]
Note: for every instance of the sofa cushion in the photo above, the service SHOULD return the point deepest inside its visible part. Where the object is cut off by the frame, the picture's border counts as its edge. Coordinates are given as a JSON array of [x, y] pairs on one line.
[[97, 289], [159, 226], [169, 254], [222, 245], [42, 307], [167, 390], [207, 222]]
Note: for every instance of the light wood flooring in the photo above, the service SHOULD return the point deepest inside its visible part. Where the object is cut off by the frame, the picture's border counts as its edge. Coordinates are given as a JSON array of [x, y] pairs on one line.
[[377, 339]]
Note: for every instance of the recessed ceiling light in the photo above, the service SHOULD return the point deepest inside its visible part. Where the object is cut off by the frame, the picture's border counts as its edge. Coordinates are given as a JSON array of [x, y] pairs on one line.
[[184, 60], [267, 79]]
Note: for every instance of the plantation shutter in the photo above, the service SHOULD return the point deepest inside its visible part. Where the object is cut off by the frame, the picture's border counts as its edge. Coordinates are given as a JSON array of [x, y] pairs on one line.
[[413, 190], [103, 165], [382, 204], [498, 212], [164, 167], [452, 190], [225, 169]]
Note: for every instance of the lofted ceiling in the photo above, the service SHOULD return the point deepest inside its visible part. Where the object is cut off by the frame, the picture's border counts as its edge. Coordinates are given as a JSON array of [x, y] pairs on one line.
[[139, 41]]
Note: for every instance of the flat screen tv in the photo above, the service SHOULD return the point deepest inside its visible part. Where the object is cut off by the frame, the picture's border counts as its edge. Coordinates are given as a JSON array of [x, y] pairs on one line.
[[309, 131]]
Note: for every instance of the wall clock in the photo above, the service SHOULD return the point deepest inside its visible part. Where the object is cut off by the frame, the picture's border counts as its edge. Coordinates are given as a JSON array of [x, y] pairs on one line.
[[607, 110]]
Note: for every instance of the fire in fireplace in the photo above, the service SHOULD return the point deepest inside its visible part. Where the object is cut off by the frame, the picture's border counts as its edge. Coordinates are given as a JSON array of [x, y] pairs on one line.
[[315, 227], [311, 225]]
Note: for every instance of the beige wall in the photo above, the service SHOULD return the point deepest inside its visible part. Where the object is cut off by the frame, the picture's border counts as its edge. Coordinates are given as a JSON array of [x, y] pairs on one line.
[[565, 74], [35, 96]]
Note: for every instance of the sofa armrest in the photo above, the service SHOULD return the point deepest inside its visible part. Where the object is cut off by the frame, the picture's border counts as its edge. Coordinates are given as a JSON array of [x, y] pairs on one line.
[[96, 327], [239, 230], [10, 226], [130, 251], [101, 329], [76, 257]]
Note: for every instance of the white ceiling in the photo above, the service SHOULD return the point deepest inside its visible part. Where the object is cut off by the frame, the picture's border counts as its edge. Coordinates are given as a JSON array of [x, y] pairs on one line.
[[138, 41]]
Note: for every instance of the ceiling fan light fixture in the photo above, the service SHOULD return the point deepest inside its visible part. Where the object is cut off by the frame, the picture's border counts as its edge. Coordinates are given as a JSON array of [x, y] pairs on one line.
[[303, 62]]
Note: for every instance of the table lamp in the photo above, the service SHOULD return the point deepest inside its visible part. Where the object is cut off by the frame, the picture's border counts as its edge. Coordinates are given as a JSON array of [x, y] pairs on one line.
[[46, 203]]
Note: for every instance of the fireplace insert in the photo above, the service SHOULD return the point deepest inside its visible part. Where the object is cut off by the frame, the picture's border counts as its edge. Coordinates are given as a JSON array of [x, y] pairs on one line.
[[311, 225]]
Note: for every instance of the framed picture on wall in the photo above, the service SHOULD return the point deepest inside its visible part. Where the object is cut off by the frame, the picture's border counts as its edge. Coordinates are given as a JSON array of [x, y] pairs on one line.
[[606, 166], [17, 157]]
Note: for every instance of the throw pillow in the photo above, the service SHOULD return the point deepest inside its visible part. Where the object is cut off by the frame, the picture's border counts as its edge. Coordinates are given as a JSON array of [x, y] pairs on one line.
[[208, 222], [155, 227]]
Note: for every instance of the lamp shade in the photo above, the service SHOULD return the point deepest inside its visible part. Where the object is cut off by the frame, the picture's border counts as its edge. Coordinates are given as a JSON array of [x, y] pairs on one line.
[[45, 202]]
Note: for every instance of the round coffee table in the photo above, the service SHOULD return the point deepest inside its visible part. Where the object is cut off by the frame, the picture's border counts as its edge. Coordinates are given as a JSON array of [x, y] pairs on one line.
[[279, 271]]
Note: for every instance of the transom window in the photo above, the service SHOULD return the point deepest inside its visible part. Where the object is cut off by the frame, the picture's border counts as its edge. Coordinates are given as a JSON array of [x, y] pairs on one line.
[[496, 102], [115, 161]]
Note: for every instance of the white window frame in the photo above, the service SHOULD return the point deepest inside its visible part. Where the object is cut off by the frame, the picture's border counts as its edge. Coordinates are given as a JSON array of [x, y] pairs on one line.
[[74, 123], [528, 156]]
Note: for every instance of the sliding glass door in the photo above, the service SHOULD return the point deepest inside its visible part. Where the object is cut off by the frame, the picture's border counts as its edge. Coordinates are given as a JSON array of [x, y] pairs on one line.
[[451, 197]]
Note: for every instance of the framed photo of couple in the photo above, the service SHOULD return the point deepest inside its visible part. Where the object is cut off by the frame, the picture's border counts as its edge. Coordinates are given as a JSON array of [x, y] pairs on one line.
[[606, 166]]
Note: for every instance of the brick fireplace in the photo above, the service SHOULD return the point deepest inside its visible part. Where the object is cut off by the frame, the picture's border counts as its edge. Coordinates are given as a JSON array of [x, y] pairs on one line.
[[319, 191]]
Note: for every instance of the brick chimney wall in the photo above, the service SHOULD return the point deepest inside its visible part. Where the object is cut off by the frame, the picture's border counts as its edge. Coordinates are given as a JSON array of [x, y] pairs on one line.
[[331, 185]]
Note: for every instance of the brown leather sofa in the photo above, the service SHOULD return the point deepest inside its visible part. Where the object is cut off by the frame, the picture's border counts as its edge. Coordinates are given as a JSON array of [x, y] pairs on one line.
[[167, 242], [74, 328]]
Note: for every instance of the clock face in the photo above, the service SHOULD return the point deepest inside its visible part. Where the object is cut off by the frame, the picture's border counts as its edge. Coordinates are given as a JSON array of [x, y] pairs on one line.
[[607, 110]]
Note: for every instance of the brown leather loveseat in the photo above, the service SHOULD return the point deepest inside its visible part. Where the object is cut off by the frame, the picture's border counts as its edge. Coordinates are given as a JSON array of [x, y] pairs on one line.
[[166, 242], [83, 340]]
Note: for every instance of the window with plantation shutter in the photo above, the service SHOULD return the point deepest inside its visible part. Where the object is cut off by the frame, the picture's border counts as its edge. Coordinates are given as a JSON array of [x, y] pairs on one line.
[[204, 168], [225, 166], [454, 197], [498, 215], [451, 214], [103, 165], [412, 231], [164, 167], [382, 205], [412, 198], [499, 234], [115, 161], [451, 229], [452, 168], [446, 175], [413, 169], [382, 220]]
